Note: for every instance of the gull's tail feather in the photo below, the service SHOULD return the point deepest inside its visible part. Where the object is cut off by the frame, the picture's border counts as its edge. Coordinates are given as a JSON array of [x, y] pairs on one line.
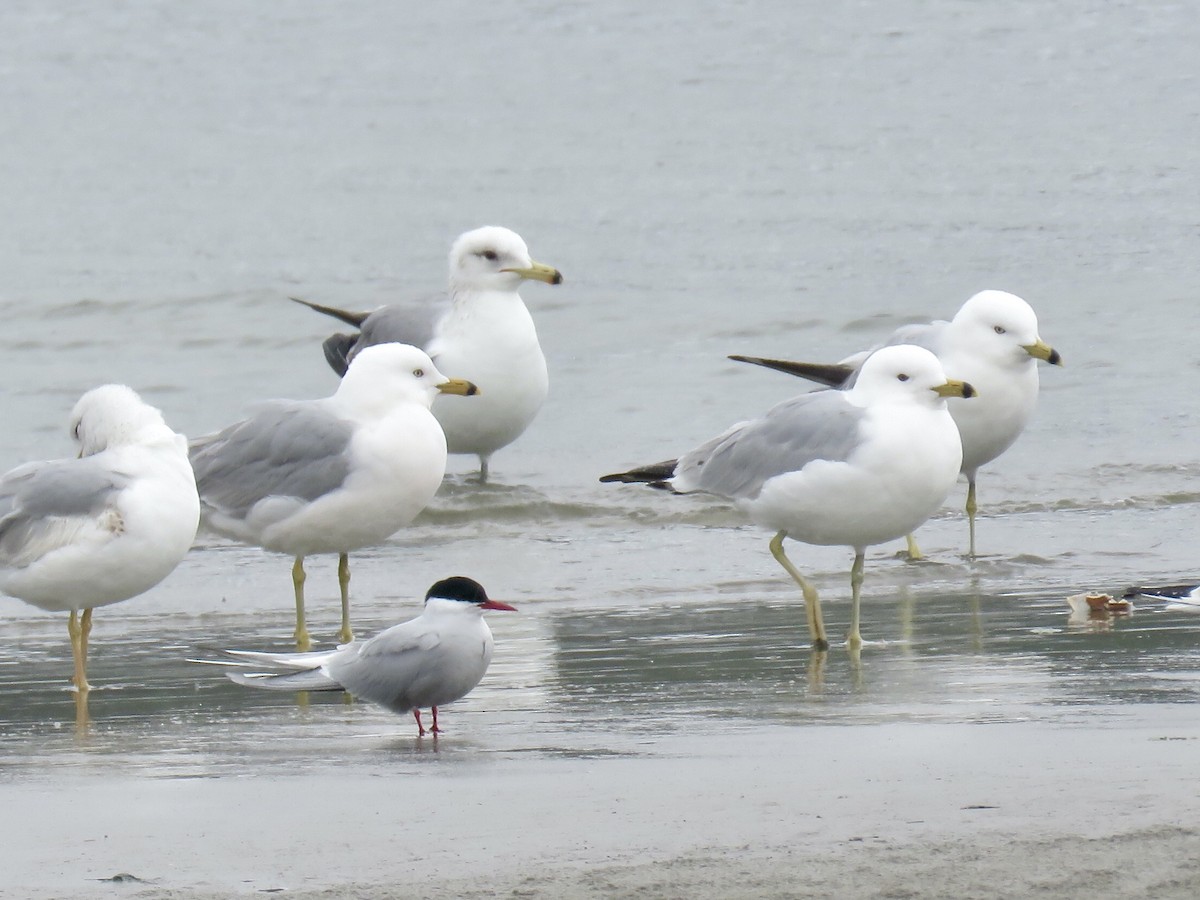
[[350, 318], [828, 374], [311, 680], [338, 347], [338, 350], [657, 475]]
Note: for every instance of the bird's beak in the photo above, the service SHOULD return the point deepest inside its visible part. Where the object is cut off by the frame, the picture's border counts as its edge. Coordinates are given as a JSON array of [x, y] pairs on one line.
[[458, 386], [497, 604], [1042, 350], [538, 272], [955, 388]]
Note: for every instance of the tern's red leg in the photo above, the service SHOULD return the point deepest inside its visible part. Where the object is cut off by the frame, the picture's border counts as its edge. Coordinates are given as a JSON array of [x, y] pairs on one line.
[[420, 727], [435, 729]]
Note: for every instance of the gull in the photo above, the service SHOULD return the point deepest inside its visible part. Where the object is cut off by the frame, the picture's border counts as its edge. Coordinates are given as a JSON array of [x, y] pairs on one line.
[[992, 343], [105, 526], [330, 475], [855, 467], [426, 662], [484, 334]]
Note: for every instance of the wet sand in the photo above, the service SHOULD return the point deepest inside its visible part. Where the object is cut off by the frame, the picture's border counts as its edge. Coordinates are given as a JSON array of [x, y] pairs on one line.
[[1097, 804]]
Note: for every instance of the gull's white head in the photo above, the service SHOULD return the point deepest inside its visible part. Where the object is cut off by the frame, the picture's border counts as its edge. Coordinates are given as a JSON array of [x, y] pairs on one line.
[[114, 415], [384, 375], [494, 259], [1003, 329], [907, 374]]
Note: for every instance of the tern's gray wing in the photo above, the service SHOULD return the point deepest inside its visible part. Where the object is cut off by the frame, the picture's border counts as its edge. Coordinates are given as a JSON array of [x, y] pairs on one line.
[[286, 449], [736, 464], [44, 504], [397, 668]]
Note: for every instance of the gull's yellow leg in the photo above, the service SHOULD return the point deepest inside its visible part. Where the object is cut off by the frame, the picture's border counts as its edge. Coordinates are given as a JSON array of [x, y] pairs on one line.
[[85, 635], [75, 629], [914, 552], [812, 606], [303, 641], [854, 639], [345, 635], [971, 508], [83, 718]]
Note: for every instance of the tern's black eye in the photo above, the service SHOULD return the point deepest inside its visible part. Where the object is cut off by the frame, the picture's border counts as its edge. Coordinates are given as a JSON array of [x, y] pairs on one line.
[[999, 329], [902, 377], [489, 255], [419, 373]]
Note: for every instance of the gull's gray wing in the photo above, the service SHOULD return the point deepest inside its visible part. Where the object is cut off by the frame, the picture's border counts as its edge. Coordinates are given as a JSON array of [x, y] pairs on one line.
[[929, 335], [45, 505], [736, 464], [404, 323], [286, 449]]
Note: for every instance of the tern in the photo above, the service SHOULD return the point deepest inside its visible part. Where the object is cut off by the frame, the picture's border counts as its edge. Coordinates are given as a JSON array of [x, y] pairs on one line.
[[424, 663]]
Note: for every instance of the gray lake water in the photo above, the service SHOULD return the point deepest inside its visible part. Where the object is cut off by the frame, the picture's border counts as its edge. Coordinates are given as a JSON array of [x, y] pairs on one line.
[[788, 179]]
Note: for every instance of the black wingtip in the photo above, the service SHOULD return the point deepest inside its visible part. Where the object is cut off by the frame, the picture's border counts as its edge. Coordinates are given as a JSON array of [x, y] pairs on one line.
[[657, 475], [350, 318], [828, 374]]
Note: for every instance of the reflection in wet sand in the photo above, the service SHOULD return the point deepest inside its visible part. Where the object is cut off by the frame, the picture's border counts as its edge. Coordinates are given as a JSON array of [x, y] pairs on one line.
[[580, 680]]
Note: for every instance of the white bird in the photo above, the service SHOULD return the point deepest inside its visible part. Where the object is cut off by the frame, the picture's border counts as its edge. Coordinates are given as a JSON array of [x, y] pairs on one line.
[[103, 527], [331, 475], [855, 467], [426, 662], [484, 334], [993, 343]]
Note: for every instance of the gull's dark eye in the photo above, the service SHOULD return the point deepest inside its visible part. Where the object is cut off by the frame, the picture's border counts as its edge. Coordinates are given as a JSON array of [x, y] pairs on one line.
[[999, 329], [75, 430], [489, 255], [902, 377], [419, 373]]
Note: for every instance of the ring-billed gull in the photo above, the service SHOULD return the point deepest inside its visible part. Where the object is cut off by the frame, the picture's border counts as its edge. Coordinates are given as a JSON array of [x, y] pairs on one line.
[[331, 475], [484, 333], [856, 467], [426, 662], [103, 527], [993, 343]]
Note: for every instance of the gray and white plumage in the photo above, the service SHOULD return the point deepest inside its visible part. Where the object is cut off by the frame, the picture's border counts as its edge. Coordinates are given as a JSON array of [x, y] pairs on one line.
[[330, 475], [483, 333], [854, 467], [103, 527], [424, 663], [993, 343]]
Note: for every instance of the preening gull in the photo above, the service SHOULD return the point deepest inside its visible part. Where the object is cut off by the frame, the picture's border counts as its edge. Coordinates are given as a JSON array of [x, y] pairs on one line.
[[483, 334], [426, 662], [855, 467], [993, 343], [331, 475], [105, 526]]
